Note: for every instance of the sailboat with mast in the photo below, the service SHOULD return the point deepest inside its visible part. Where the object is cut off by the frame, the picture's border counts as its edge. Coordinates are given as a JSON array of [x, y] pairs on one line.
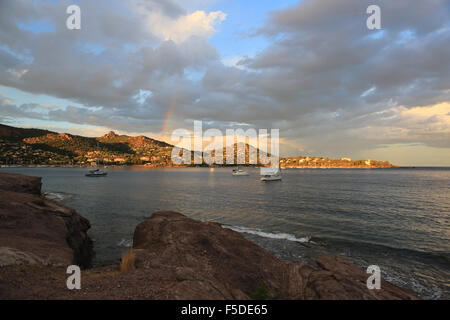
[[272, 174], [97, 172]]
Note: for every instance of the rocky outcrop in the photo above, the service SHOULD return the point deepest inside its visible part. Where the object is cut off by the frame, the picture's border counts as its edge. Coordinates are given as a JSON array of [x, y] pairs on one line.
[[34, 229], [110, 135], [206, 260], [20, 183]]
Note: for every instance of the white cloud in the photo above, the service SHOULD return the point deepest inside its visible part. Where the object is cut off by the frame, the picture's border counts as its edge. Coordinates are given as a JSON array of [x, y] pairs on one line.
[[180, 29], [368, 92], [440, 109], [18, 74], [235, 61]]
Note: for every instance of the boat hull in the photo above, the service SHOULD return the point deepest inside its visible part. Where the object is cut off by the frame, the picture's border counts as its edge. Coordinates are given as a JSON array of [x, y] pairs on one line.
[[271, 179], [94, 175]]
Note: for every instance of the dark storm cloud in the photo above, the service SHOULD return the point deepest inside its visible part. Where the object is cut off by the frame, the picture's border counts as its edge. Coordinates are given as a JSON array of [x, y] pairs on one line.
[[329, 83], [169, 7]]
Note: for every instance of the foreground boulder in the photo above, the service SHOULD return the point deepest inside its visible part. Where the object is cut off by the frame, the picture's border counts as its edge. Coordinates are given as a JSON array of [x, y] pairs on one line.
[[34, 229], [206, 260]]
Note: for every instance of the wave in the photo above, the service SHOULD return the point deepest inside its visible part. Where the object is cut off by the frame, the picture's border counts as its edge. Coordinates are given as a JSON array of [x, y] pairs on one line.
[[270, 235], [57, 196], [125, 243], [429, 291]]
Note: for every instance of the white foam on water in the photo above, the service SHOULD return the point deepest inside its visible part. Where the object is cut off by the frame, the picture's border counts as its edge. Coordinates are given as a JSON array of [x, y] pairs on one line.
[[277, 236], [57, 196], [125, 243], [430, 293]]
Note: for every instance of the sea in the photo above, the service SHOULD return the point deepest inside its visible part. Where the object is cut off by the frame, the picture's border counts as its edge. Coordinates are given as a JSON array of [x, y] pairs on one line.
[[397, 219]]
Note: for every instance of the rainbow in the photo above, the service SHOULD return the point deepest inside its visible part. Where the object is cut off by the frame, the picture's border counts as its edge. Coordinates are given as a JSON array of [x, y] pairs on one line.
[[168, 116]]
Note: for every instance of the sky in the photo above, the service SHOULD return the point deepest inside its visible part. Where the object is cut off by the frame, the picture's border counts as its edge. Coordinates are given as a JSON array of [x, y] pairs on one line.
[[310, 68]]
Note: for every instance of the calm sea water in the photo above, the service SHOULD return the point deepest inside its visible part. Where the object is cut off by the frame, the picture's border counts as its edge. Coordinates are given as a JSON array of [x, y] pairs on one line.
[[396, 219]]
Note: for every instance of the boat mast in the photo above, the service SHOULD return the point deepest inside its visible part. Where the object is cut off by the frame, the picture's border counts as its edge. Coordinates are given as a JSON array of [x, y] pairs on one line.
[[98, 151]]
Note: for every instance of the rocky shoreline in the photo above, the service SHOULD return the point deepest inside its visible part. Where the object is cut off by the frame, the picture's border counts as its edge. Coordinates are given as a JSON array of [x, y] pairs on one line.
[[173, 257], [34, 229]]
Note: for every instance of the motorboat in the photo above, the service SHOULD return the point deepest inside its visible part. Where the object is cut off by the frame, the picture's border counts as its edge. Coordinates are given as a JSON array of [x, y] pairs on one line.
[[239, 172], [96, 173]]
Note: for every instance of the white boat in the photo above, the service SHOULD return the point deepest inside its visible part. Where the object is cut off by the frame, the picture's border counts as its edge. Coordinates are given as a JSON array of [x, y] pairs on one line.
[[239, 172], [96, 173], [272, 176]]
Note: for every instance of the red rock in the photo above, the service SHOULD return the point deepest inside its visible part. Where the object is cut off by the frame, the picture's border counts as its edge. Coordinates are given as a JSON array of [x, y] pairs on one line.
[[110, 134], [38, 229], [205, 255], [20, 183]]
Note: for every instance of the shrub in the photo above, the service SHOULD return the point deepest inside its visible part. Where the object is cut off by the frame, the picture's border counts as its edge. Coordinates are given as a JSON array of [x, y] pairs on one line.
[[262, 293], [127, 263]]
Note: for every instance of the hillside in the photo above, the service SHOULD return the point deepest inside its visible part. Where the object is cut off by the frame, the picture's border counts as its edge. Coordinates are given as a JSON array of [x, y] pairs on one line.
[[17, 134], [41, 147], [30, 146]]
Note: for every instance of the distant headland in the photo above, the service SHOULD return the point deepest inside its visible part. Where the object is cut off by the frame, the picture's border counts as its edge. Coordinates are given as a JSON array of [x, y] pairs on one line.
[[36, 147]]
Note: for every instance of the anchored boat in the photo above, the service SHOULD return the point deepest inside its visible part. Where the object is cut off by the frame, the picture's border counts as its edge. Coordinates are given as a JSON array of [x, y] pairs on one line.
[[96, 173], [239, 172], [272, 176]]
